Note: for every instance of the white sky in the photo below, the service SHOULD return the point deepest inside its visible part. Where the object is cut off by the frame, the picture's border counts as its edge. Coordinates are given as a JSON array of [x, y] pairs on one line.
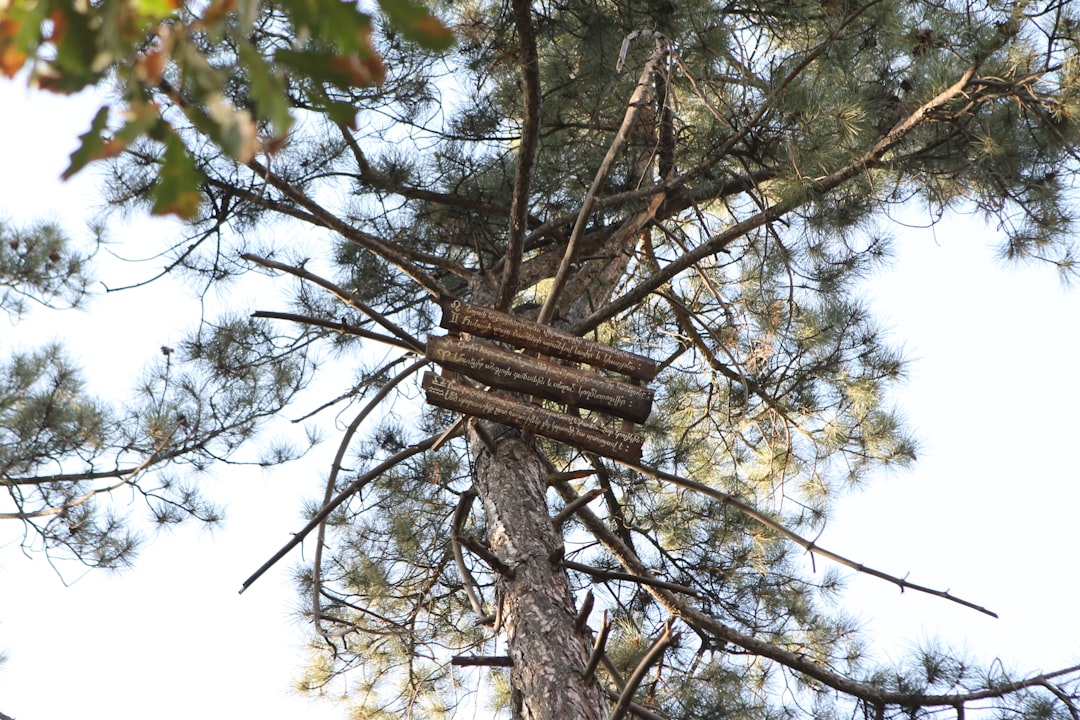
[[989, 511]]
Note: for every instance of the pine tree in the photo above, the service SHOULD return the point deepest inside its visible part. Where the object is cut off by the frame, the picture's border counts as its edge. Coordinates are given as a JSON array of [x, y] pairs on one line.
[[700, 183]]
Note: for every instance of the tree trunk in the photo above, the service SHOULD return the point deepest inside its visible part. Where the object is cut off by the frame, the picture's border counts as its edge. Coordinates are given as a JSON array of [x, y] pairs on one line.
[[538, 611]]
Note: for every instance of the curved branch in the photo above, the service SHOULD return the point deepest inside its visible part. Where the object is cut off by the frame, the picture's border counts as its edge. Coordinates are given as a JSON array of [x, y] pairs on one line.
[[335, 470], [415, 449]]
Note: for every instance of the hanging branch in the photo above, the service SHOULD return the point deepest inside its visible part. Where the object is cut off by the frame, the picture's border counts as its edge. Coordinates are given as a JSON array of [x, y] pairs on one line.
[[400, 456], [526, 159], [335, 470], [655, 652], [637, 99], [342, 294]]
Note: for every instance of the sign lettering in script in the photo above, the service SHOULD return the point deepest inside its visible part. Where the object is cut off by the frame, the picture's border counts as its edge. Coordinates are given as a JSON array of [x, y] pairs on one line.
[[500, 368], [458, 316], [557, 426]]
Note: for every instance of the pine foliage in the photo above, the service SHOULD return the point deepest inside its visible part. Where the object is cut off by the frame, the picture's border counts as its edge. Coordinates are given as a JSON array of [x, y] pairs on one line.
[[772, 144]]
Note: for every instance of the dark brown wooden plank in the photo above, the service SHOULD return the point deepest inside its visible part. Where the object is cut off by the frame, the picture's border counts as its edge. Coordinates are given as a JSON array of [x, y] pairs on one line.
[[501, 368], [459, 316], [568, 429]]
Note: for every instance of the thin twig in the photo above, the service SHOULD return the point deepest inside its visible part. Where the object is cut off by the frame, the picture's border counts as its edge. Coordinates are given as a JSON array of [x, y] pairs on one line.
[[341, 293], [335, 470], [344, 495], [655, 652]]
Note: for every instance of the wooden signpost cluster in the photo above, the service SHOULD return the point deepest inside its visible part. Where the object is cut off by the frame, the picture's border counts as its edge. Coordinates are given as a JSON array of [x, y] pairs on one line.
[[540, 377]]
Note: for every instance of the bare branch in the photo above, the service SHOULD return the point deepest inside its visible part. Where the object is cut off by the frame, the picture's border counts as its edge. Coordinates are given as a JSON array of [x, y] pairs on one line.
[[340, 293], [360, 482], [655, 652], [637, 99], [716, 243], [530, 134]]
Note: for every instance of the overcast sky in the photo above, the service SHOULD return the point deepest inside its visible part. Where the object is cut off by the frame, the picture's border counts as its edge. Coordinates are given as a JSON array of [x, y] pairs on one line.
[[989, 511]]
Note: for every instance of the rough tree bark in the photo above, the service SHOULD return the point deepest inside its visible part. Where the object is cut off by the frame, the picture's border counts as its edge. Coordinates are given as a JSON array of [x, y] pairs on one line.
[[537, 609]]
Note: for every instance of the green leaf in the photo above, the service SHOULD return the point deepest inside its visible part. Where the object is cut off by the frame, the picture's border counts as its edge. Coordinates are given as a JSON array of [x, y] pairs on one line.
[[328, 67], [177, 189], [94, 146], [417, 24], [80, 58], [338, 23]]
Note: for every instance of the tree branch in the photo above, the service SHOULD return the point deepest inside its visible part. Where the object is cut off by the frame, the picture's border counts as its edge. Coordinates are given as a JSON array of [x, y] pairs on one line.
[[341, 293], [338, 325], [637, 99], [795, 661], [652, 656], [335, 470], [389, 251], [530, 133], [817, 187], [630, 577], [808, 545], [359, 483]]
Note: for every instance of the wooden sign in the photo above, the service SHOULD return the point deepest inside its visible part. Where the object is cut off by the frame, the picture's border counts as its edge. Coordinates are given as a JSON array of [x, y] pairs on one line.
[[485, 322], [569, 429], [501, 368]]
